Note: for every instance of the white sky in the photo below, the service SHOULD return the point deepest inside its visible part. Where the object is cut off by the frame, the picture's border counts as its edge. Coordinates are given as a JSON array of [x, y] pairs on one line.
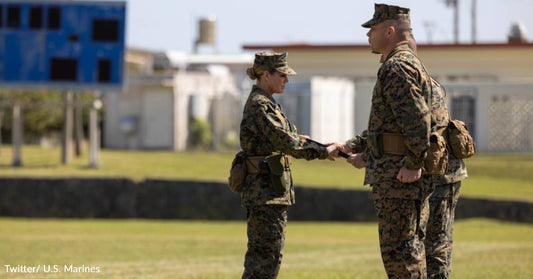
[[172, 24]]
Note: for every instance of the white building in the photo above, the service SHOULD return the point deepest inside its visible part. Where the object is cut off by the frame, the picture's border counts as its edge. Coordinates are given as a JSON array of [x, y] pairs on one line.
[[154, 110], [320, 107]]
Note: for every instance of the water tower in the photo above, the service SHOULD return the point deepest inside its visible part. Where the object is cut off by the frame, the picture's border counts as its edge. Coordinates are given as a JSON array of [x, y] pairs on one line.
[[206, 41]]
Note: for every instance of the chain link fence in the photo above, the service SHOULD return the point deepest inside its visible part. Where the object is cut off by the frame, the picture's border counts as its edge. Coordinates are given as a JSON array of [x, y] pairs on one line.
[[511, 123]]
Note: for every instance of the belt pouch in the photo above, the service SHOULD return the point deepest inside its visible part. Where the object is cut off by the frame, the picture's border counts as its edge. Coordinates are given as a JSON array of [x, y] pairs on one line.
[[375, 143], [280, 177]]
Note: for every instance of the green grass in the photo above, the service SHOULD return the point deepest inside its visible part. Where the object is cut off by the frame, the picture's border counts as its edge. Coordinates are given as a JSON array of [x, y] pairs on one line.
[[500, 176], [194, 249], [205, 250], [137, 165]]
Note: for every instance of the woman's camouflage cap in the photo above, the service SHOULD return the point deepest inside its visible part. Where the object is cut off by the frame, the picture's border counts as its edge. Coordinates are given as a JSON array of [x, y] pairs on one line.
[[384, 12], [273, 60]]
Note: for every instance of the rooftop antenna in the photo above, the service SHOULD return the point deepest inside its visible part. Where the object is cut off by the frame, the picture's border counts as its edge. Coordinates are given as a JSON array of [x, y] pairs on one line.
[[429, 26]]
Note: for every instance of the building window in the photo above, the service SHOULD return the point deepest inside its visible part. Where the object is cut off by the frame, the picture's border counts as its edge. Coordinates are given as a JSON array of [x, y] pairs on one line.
[[105, 30], [73, 38], [63, 69], [1, 16], [104, 70], [36, 17], [54, 18], [13, 17]]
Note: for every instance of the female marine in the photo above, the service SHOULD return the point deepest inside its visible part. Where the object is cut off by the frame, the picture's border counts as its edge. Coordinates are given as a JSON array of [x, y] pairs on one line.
[[269, 140]]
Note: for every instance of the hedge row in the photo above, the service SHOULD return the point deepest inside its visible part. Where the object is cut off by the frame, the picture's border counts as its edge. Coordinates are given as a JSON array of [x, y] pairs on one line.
[[165, 199]]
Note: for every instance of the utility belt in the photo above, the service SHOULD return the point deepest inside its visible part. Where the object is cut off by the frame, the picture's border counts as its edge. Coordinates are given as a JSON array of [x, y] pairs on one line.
[[394, 144], [259, 164], [435, 162], [256, 164], [391, 143], [277, 166]]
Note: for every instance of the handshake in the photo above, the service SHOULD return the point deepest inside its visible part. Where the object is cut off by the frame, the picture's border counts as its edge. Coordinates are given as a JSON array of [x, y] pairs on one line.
[[336, 150]]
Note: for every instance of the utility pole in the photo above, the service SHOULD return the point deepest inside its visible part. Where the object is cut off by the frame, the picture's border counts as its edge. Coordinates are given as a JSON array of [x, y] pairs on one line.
[[17, 134], [66, 143], [456, 21], [78, 124], [474, 19], [455, 5], [1, 121], [429, 26], [94, 135]]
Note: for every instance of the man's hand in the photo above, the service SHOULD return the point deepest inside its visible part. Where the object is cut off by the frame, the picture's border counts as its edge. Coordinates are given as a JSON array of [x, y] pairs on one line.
[[344, 148], [333, 151], [406, 175], [356, 160]]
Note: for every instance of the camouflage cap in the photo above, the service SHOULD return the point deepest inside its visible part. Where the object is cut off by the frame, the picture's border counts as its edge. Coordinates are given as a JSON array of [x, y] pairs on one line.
[[384, 12], [273, 60]]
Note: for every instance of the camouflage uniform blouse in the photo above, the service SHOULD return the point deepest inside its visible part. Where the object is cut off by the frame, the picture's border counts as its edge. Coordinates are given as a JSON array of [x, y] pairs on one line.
[[266, 130], [456, 169], [399, 105], [440, 117]]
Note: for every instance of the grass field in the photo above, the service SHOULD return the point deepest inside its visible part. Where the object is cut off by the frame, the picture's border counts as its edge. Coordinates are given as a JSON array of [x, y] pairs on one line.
[[500, 176], [204, 250], [192, 249]]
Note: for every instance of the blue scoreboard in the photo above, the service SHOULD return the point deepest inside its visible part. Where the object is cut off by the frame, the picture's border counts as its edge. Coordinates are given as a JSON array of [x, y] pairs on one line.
[[63, 45]]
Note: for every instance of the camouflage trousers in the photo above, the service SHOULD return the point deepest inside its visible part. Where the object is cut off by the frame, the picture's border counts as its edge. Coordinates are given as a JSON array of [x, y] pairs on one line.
[[266, 238], [439, 232], [402, 221]]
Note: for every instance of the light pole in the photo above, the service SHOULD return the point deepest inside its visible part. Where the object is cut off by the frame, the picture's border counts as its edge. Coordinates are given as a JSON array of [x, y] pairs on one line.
[[455, 5]]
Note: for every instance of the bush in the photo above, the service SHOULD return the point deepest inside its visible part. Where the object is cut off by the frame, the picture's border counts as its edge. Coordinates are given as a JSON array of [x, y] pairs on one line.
[[200, 136]]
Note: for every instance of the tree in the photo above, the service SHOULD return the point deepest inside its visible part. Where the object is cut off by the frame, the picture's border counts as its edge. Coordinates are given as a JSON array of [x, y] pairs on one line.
[[42, 112]]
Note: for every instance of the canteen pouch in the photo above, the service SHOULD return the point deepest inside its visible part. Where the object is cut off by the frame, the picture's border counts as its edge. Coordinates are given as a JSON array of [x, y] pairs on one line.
[[279, 174], [237, 173], [375, 144], [460, 140], [436, 160]]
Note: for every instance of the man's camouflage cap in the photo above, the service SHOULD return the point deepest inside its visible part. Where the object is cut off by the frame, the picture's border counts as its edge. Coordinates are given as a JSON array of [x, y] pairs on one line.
[[273, 60], [384, 12]]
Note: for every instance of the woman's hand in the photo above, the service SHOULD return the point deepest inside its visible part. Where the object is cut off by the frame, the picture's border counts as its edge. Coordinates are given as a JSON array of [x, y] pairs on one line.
[[333, 150]]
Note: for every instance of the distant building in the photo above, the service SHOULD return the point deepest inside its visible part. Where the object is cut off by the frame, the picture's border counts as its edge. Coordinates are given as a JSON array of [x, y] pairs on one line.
[[320, 107], [62, 45], [490, 86], [165, 90]]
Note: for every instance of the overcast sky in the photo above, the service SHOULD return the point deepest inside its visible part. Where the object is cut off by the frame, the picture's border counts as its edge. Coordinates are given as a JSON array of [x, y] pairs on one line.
[[172, 24]]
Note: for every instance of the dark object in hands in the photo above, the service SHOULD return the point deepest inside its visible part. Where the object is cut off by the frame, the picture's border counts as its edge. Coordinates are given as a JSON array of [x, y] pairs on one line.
[[342, 154]]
